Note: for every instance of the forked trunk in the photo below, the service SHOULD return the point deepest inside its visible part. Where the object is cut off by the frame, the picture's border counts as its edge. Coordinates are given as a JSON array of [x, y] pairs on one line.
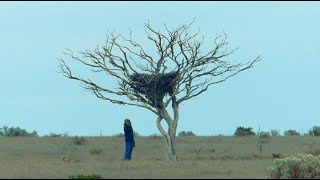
[[170, 136], [170, 146]]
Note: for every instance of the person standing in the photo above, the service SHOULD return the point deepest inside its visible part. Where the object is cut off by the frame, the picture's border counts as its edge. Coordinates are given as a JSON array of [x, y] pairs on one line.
[[129, 139]]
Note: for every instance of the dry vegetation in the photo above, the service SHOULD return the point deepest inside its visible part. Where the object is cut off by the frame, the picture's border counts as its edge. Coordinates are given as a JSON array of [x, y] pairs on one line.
[[198, 157]]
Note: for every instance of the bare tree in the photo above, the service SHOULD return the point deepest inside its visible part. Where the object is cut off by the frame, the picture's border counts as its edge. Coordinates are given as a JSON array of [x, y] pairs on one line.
[[263, 138], [177, 71]]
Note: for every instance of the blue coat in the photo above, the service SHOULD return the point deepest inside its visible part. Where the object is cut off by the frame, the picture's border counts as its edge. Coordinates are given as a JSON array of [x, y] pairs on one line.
[[128, 133]]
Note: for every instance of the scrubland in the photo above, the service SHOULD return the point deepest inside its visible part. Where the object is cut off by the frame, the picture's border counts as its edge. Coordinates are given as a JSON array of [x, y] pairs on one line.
[[197, 157]]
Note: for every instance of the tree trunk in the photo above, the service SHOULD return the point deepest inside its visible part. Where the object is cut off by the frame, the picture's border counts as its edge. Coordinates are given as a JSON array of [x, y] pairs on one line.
[[170, 144], [169, 141], [170, 136]]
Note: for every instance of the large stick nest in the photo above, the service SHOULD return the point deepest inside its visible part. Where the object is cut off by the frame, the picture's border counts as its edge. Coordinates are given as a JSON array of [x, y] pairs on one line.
[[154, 87]]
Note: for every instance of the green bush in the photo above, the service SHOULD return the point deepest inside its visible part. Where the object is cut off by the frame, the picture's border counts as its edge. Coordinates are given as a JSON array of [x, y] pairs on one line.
[[302, 166], [264, 134], [275, 132], [119, 135], [314, 131], [12, 131], [81, 176], [78, 140], [241, 131], [184, 133], [291, 132], [57, 135], [277, 155], [97, 151]]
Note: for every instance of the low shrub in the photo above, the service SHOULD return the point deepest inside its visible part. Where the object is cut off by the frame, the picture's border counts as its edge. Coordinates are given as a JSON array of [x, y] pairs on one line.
[[119, 135], [291, 132], [264, 134], [242, 131], [97, 151], [184, 133], [275, 132], [81, 176], [301, 166], [57, 135], [78, 140], [277, 155]]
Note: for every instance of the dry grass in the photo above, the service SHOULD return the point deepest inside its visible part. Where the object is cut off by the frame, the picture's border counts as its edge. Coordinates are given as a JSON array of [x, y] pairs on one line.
[[198, 157]]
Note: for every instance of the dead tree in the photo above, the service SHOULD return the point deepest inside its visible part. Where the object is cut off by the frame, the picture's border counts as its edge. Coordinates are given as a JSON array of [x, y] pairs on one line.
[[178, 70]]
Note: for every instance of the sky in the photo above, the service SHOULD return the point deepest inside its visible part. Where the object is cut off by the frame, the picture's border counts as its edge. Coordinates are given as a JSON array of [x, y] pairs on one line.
[[280, 92]]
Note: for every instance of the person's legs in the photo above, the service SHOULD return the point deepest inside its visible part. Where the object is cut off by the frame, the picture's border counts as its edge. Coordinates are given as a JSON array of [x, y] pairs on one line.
[[130, 150], [127, 152]]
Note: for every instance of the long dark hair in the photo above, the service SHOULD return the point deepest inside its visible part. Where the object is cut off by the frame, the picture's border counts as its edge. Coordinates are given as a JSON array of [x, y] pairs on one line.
[[127, 120]]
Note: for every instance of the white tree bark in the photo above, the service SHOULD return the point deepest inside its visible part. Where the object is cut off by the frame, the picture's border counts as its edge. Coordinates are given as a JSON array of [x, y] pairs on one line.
[[169, 136]]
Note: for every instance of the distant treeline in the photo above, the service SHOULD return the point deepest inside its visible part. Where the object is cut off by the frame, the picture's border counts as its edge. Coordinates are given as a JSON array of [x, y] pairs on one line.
[[240, 131], [16, 131]]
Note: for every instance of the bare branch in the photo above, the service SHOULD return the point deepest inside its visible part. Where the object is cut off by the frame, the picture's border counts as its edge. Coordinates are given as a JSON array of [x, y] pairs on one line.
[[177, 51]]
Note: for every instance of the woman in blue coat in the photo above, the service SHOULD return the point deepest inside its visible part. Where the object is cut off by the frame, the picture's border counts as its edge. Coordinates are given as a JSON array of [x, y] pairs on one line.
[[129, 139]]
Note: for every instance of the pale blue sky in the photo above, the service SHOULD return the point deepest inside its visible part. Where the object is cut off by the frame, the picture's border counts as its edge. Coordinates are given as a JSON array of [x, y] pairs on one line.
[[280, 92]]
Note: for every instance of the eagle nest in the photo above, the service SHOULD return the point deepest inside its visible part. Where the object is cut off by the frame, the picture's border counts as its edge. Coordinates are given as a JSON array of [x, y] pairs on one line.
[[154, 87]]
